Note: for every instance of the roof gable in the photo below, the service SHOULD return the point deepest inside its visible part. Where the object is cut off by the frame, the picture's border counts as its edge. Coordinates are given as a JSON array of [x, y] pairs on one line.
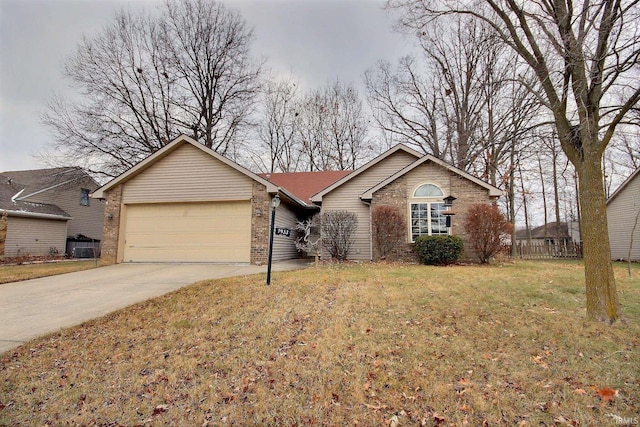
[[37, 181], [493, 191], [167, 150], [622, 186], [400, 147]]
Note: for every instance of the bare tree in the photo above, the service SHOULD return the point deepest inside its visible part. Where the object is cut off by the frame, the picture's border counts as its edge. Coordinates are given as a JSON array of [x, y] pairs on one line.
[[144, 80], [582, 55], [125, 113], [464, 103], [208, 46], [278, 126], [405, 105], [332, 128]]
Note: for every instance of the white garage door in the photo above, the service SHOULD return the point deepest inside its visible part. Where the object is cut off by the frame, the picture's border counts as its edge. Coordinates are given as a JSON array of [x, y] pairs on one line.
[[188, 232]]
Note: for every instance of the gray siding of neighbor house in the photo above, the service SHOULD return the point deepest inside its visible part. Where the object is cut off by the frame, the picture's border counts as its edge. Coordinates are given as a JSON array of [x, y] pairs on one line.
[[187, 175], [621, 216], [285, 247], [347, 197], [87, 220], [34, 236]]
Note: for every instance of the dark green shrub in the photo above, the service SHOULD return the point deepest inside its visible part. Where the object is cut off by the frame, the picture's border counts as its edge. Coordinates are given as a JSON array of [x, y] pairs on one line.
[[439, 250]]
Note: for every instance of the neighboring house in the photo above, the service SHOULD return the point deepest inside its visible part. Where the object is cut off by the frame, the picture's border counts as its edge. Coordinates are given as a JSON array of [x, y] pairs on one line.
[[562, 233], [187, 203], [623, 210], [45, 207]]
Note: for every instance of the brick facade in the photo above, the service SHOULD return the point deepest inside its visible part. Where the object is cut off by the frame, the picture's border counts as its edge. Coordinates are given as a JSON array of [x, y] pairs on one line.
[[260, 211], [398, 193], [111, 232], [395, 194]]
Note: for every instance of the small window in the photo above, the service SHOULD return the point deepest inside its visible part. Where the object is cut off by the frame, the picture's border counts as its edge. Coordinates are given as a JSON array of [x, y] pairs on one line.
[[428, 190], [84, 197]]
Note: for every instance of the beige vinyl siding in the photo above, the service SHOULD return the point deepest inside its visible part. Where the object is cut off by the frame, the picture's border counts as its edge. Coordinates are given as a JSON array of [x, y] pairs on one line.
[[171, 179], [621, 215], [285, 247], [347, 197], [428, 173], [87, 220], [33, 236], [188, 232]]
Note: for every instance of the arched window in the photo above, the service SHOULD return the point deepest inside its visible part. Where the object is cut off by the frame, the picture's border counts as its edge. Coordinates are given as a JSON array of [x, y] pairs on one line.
[[426, 209], [428, 190]]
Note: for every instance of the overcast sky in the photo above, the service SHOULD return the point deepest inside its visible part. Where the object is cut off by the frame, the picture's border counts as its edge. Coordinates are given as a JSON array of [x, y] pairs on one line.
[[314, 41]]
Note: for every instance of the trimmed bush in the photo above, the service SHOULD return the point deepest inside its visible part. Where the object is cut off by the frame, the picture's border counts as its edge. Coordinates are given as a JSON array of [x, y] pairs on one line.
[[486, 227], [338, 229], [439, 250], [389, 229]]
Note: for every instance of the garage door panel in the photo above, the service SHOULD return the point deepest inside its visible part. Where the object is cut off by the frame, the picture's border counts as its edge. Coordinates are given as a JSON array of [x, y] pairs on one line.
[[188, 232]]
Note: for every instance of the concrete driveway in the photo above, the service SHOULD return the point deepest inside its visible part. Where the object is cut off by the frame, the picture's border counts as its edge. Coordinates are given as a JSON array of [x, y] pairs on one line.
[[32, 308]]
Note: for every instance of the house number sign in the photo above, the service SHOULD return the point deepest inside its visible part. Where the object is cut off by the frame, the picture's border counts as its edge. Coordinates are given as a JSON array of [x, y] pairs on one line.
[[283, 232]]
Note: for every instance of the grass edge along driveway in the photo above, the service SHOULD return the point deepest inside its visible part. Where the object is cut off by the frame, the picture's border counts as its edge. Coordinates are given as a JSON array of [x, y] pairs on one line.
[[18, 272]]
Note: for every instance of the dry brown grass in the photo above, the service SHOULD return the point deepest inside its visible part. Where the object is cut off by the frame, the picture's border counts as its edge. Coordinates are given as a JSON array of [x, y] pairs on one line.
[[14, 273], [342, 345]]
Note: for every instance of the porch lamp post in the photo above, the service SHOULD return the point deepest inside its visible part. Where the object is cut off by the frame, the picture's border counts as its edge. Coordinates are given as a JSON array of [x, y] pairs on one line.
[[448, 202], [275, 202]]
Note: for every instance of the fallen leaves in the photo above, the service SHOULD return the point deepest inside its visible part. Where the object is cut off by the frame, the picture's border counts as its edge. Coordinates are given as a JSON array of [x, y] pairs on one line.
[[359, 364], [160, 409], [607, 395]]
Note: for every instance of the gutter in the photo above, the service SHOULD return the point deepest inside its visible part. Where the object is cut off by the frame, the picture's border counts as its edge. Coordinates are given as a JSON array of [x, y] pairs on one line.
[[35, 215]]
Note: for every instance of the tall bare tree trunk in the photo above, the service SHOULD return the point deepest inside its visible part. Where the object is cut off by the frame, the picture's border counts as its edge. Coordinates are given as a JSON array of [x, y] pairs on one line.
[[526, 208], [556, 196], [544, 199], [602, 298], [512, 202]]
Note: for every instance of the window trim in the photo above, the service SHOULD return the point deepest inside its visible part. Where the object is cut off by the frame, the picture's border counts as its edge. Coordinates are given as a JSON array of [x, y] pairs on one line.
[[83, 192], [429, 201]]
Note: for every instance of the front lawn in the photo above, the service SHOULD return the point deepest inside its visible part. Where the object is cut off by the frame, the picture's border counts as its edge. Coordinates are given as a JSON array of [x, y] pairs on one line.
[[368, 345], [17, 272]]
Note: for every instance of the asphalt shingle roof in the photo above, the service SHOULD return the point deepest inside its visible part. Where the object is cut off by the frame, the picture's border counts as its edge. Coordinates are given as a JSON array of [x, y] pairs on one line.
[[303, 185], [11, 189]]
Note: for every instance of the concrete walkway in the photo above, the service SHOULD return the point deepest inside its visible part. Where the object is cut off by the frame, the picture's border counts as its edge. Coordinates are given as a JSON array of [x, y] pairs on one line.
[[36, 307]]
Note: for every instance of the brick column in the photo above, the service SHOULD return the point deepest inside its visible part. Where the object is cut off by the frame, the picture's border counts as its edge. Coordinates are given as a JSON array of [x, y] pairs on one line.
[[111, 230], [260, 211]]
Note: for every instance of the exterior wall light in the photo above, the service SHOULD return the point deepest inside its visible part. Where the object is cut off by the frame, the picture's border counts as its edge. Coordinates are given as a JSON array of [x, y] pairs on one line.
[[448, 203]]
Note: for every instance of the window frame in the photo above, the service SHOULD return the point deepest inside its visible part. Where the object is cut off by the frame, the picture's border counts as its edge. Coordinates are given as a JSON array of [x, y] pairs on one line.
[[84, 195], [431, 202]]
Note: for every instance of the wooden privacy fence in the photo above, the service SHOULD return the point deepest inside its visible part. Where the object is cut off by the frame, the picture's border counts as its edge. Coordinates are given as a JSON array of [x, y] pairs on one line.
[[561, 250]]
